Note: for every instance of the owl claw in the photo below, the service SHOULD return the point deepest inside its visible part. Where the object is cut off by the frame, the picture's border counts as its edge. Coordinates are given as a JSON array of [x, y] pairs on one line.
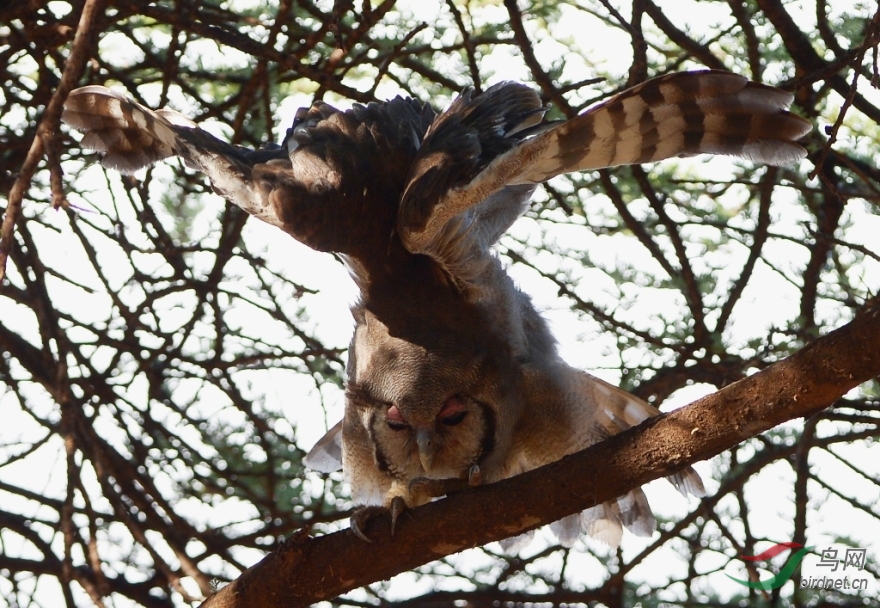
[[357, 531], [475, 476], [398, 506], [358, 520]]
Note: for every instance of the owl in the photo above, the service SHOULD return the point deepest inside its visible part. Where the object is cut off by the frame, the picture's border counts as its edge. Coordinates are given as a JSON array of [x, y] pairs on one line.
[[453, 377]]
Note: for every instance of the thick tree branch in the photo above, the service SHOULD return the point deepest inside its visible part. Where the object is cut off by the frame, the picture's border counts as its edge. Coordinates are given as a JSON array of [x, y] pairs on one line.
[[306, 570]]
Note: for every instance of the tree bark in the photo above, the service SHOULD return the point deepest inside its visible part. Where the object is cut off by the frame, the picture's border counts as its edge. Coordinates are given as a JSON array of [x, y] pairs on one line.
[[305, 569]]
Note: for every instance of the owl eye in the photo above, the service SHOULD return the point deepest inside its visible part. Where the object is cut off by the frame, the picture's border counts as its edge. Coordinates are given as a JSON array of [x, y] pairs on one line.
[[394, 419], [453, 411], [454, 419]]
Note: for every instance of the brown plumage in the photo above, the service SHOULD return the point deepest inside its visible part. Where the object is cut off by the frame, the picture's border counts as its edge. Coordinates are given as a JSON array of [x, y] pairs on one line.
[[452, 373]]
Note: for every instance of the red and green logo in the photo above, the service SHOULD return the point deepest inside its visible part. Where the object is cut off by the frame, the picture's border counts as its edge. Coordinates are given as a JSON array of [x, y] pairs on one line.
[[784, 574]]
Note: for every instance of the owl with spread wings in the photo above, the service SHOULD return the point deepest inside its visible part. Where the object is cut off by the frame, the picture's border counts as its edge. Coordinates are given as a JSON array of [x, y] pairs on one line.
[[453, 377]]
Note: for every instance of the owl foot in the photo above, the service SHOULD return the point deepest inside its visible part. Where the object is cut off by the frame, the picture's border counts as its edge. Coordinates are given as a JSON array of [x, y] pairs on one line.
[[359, 519], [435, 488]]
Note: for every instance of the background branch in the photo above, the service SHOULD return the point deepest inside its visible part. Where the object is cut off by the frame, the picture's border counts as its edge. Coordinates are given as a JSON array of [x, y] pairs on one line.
[[83, 43]]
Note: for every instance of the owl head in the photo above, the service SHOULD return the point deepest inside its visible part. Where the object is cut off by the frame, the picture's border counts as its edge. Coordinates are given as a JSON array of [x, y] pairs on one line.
[[428, 400]]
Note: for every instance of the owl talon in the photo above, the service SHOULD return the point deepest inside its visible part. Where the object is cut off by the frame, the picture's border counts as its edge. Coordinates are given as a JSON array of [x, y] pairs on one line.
[[398, 506], [358, 520], [357, 531]]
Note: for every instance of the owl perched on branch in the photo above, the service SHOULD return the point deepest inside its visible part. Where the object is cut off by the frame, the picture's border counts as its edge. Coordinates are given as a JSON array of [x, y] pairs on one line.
[[453, 377]]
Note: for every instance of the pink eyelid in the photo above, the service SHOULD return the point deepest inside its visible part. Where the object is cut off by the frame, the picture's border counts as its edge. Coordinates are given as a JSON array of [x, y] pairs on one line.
[[394, 415], [452, 406]]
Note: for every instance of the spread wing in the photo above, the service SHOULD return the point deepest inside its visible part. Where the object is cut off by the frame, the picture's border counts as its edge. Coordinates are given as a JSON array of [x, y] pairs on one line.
[[680, 114], [463, 142], [132, 137], [334, 185]]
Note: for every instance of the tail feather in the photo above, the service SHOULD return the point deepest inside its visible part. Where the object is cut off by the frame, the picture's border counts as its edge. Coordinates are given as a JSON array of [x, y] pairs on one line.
[[622, 410], [515, 544], [567, 530], [687, 481], [635, 513], [605, 522], [602, 522], [612, 410]]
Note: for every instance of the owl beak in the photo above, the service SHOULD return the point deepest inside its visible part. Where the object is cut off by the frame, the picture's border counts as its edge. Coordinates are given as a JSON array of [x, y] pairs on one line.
[[427, 449]]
